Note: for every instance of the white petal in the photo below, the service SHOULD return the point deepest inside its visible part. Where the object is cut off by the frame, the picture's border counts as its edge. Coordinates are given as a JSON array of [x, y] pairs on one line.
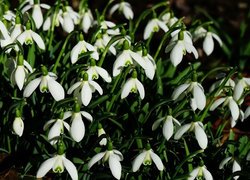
[[114, 8], [21, 38], [162, 25], [181, 131], [55, 132], [68, 24], [45, 167], [179, 90], [86, 94], [20, 76], [208, 44], [128, 13], [194, 173], [200, 136], [73, 87], [4, 30], [48, 123], [168, 128], [37, 16], [224, 161], [238, 90], [157, 161], [67, 115], [199, 97], [170, 46], [103, 73], [118, 154], [27, 65], [18, 126], [120, 62], [75, 52], [77, 129], [149, 29], [87, 115], [207, 175], [70, 167], [47, 23], [176, 54], [38, 40], [55, 89], [236, 167], [137, 162], [30, 88], [127, 88], [138, 58], [247, 112], [215, 36], [190, 48], [95, 159], [216, 103], [140, 88], [157, 123], [96, 86], [234, 109], [115, 166]]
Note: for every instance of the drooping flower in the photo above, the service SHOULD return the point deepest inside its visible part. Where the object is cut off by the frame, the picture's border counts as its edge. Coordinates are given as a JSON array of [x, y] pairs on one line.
[[169, 19], [146, 157], [77, 128], [123, 7], [113, 157], [69, 19], [28, 37], [18, 125], [168, 126], [200, 171], [154, 25], [87, 19], [133, 85], [47, 83], [101, 131], [241, 84], [94, 72], [235, 167], [82, 47], [109, 27], [84, 88], [180, 44], [199, 132], [102, 41]]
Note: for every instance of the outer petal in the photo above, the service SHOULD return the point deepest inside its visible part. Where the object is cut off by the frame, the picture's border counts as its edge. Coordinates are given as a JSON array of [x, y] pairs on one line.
[[68, 24], [162, 25], [168, 128], [95, 159], [157, 161], [208, 44], [235, 112], [128, 13], [176, 54], [56, 89], [30, 88], [120, 62], [55, 131], [113, 9], [37, 16], [138, 58], [127, 88], [238, 90], [224, 161], [115, 166], [103, 73], [75, 52], [18, 126], [215, 36], [136, 164], [77, 129], [45, 167], [87, 115], [207, 175], [194, 173], [190, 48], [200, 136], [47, 23], [216, 103], [140, 88], [157, 123], [149, 29], [247, 112], [38, 40], [4, 30], [182, 130], [199, 97], [96, 86], [70, 167], [236, 167], [73, 87], [179, 90], [86, 94], [20, 77], [21, 38]]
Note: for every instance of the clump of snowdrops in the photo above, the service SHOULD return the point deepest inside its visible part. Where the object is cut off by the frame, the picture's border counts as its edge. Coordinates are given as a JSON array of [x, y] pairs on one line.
[[100, 94]]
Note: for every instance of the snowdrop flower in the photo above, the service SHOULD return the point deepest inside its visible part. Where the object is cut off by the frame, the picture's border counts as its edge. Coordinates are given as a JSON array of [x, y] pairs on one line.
[[199, 132], [18, 125], [110, 27], [197, 90], [82, 47], [77, 128], [146, 157], [69, 19], [57, 164], [168, 126], [47, 83], [28, 36], [240, 86], [113, 157], [19, 75], [94, 72], [102, 41], [87, 19], [208, 43], [37, 14], [200, 171], [5, 38], [125, 58], [229, 83], [17, 29], [236, 165], [8, 14], [230, 102], [58, 127], [123, 7], [169, 19], [133, 85], [153, 26], [179, 45], [100, 132], [84, 88], [48, 21]]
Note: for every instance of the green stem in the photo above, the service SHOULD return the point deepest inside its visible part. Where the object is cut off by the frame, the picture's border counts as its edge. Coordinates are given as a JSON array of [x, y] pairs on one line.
[[190, 166]]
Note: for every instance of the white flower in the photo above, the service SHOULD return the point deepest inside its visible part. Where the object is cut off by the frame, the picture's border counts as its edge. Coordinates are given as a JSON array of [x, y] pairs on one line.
[[199, 132], [150, 64], [230, 102], [47, 82], [169, 19], [77, 128], [37, 14], [18, 126], [102, 41], [180, 43], [28, 36], [110, 27], [57, 164], [146, 157], [240, 86], [126, 9], [113, 157], [100, 132], [126, 58], [229, 83], [9, 15], [48, 21], [236, 165], [82, 47], [200, 171], [197, 90], [168, 126], [94, 72], [153, 26], [5, 38], [87, 20], [84, 88], [132, 85]]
